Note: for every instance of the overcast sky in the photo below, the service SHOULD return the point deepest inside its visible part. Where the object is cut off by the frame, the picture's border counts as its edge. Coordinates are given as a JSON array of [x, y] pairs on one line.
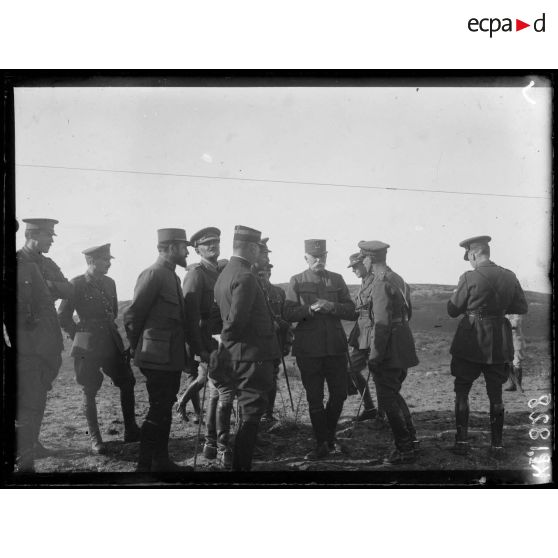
[[488, 140]]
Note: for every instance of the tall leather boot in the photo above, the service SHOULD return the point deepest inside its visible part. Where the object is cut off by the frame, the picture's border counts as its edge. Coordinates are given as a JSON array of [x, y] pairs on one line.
[[210, 446], [268, 415], [409, 422], [223, 421], [90, 407], [25, 458], [461, 446], [38, 448], [148, 442], [396, 419], [519, 374], [244, 446], [319, 425], [128, 404], [496, 424], [333, 412]]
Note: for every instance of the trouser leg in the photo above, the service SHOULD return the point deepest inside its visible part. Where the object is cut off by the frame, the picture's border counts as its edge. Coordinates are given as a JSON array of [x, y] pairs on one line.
[[162, 387], [494, 383], [407, 416], [388, 383], [211, 416], [313, 377], [335, 369], [90, 410], [255, 380]]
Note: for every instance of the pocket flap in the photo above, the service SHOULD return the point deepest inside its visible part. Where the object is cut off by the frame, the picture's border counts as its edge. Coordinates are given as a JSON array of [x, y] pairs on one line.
[[157, 334], [170, 298]]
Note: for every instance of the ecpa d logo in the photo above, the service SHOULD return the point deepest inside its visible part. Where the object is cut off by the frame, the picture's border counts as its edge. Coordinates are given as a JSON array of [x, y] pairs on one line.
[[492, 25]]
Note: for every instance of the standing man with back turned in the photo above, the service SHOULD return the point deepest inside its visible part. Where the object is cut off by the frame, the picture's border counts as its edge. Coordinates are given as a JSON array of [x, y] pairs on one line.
[[39, 339], [97, 343], [483, 341], [249, 339], [156, 328], [318, 300]]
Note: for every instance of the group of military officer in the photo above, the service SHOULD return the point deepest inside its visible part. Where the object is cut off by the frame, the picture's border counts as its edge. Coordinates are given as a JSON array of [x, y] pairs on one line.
[[229, 328]]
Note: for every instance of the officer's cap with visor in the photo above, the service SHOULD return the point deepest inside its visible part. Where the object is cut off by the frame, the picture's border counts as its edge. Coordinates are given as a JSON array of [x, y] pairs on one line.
[[376, 250], [474, 242]]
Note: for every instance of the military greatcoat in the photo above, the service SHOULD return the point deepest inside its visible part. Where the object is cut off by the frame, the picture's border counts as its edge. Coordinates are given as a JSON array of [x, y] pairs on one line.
[[392, 344], [248, 329], [155, 320], [318, 334], [485, 295]]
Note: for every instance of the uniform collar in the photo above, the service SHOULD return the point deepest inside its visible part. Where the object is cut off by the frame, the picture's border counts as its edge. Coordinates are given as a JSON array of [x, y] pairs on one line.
[[165, 263], [242, 260], [486, 263], [31, 254], [208, 264], [368, 279]]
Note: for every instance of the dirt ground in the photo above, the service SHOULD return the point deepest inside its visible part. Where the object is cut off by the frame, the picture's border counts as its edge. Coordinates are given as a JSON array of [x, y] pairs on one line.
[[428, 390]]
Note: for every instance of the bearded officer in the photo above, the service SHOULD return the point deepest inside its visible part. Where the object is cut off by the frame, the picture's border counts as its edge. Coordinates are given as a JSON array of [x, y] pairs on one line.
[[392, 348], [318, 300], [39, 339], [248, 339], [97, 344], [156, 328], [360, 336], [483, 341], [203, 321]]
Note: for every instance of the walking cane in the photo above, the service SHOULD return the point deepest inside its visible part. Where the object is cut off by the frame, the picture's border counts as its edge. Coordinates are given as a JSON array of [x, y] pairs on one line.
[[287, 380], [200, 422]]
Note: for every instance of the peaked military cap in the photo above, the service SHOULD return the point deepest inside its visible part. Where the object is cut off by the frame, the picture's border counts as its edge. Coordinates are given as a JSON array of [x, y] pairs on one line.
[[168, 236], [205, 235], [473, 242], [355, 259], [99, 251], [315, 247], [46, 225], [263, 245], [247, 234], [376, 250]]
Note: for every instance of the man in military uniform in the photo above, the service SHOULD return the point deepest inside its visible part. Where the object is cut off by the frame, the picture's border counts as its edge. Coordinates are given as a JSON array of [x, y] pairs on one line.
[[39, 339], [156, 328], [360, 336], [203, 320], [97, 345], [249, 340], [276, 300], [392, 347], [516, 370], [483, 341], [318, 300]]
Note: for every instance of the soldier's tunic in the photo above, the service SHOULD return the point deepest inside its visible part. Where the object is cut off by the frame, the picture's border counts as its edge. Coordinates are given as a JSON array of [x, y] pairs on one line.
[[360, 339], [320, 344], [202, 314], [392, 351], [483, 341], [96, 304], [156, 326], [39, 339], [249, 337], [203, 320]]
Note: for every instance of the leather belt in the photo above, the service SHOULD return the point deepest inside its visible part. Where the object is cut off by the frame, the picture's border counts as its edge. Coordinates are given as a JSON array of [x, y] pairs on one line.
[[483, 316]]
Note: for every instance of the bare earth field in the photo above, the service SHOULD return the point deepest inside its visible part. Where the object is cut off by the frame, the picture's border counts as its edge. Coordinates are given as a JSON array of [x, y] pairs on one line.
[[428, 391]]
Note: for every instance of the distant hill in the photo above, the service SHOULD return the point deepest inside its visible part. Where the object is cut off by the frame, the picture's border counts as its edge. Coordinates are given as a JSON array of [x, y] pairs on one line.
[[429, 309]]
